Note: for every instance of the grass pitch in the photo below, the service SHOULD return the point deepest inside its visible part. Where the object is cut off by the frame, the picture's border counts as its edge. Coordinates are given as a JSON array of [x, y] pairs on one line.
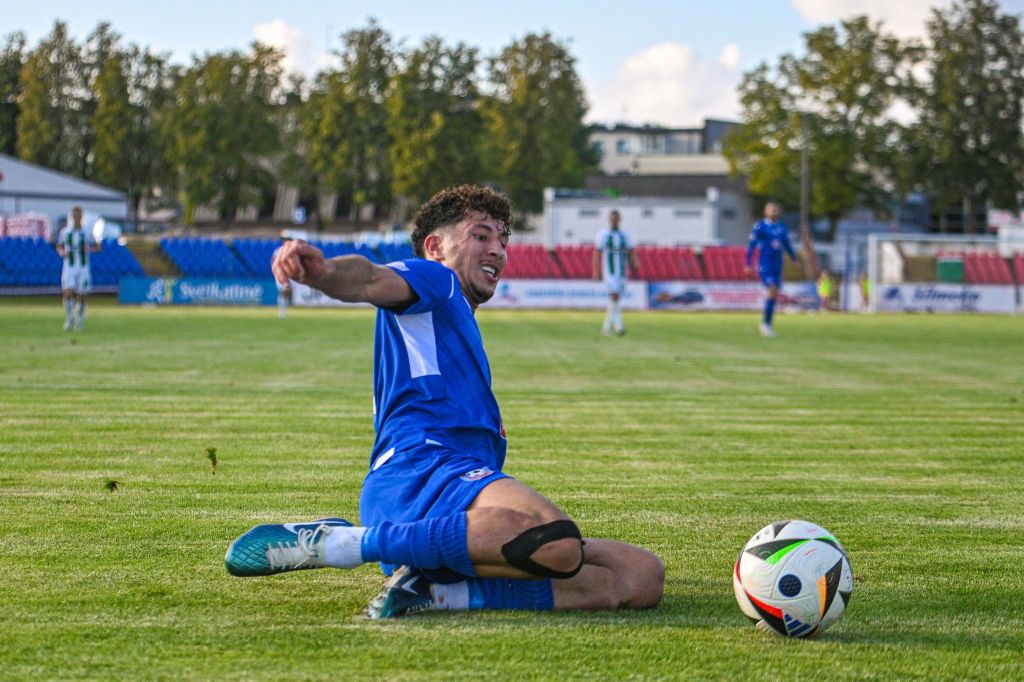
[[903, 435]]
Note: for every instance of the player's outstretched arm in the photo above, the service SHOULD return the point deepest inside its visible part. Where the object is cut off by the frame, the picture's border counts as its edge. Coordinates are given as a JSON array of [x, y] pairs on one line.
[[353, 279]]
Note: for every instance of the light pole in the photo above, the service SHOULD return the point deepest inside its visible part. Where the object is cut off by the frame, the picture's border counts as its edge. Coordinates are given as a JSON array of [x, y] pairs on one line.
[[811, 267]]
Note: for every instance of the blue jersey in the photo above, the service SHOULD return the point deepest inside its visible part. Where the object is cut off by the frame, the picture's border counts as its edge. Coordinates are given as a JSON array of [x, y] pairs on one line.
[[771, 238], [432, 381]]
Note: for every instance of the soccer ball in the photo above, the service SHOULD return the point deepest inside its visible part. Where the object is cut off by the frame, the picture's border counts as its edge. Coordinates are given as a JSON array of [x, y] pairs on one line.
[[793, 578]]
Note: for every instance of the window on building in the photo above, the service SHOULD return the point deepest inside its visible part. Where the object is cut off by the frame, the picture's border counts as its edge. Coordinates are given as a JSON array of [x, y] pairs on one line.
[[647, 213], [683, 213], [622, 147], [728, 213], [589, 213]]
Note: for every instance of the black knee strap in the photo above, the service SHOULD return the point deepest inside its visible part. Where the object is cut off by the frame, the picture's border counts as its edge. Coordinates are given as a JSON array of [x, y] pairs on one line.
[[517, 552]]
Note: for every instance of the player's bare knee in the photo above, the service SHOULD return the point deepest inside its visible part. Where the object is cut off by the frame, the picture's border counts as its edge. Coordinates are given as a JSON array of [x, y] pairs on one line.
[[650, 583], [640, 583]]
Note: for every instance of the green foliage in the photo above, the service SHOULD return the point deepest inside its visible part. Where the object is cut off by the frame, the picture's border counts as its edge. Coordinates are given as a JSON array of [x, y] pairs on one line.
[[221, 128], [971, 109], [12, 58], [224, 128], [133, 90], [845, 84], [534, 135], [904, 447], [51, 124], [346, 119], [433, 122]]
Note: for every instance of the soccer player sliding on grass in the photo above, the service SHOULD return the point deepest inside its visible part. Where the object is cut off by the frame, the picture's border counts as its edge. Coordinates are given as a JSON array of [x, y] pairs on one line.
[[446, 524]]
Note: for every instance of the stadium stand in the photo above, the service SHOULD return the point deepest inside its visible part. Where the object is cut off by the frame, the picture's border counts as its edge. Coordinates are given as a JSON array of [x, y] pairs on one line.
[[576, 260], [255, 254], [113, 262], [31, 261], [198, 257], [667, 263], [986, 268], [726, 263], [392, 252], [531, 261], [1018, 268], [28, 261]]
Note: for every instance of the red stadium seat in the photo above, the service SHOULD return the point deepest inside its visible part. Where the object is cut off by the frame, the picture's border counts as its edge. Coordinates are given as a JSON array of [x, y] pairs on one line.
[[1018, 267], [576, 260], [530, 261]]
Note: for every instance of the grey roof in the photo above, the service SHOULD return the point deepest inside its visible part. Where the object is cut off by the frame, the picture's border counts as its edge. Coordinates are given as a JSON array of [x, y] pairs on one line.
[[665, 185], [23, 179]]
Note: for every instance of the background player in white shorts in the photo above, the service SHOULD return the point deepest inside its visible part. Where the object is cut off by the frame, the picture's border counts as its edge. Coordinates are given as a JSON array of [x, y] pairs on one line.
[[612, 252], [74, 245], [284, 291]]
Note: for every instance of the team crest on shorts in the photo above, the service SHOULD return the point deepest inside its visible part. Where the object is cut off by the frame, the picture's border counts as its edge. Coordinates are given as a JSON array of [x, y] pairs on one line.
[[477, 474]]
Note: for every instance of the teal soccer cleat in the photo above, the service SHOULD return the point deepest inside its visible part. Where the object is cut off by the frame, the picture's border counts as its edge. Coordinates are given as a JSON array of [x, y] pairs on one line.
[[280, 547], [405, 593]]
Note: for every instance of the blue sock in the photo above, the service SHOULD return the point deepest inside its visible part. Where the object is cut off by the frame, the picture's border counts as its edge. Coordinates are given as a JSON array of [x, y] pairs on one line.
[[769, 310], [429, 543], [505, 593]]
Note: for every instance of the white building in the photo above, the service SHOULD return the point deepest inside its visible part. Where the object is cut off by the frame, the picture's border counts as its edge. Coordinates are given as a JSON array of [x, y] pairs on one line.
[[655, 150], [27, 188], [677, 181], [575, 217]]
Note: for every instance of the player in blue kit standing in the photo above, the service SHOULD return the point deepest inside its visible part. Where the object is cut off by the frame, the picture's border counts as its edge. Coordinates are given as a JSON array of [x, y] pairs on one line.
[[771, 237], [451, 529]]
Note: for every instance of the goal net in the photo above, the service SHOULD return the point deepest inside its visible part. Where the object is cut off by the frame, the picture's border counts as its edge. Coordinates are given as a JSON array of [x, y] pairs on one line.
[[943, 274]]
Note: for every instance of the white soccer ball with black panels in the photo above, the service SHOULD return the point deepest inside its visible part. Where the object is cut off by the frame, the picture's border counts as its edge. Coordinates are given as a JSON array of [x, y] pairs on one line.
[[793, 578]]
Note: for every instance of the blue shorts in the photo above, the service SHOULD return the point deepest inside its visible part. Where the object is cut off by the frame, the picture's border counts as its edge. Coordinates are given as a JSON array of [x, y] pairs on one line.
[[770, 278], [422, 482]]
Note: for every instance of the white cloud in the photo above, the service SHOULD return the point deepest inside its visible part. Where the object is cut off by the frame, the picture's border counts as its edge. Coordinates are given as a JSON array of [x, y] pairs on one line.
[[291, 41], [669, 85], [905, 18], [730, 56]]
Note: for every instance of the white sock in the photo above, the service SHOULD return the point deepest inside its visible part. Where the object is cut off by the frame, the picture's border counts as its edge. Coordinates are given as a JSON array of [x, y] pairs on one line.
[[81, 311], [617, 315], [609, 315], [69, 309], [343, 546], [454, 596]]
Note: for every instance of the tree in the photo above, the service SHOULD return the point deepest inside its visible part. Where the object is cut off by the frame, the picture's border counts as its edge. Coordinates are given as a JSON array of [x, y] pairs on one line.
[[346, 119], [222, 128], [971, 110], [50, 125], [295, 168], [132, 91], [534, 135], [845, 87], [433, 121], [99, 46], [12, 58]]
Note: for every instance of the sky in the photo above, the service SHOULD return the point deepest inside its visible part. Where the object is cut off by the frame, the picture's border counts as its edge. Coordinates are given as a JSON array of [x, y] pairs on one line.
[[645, 61]]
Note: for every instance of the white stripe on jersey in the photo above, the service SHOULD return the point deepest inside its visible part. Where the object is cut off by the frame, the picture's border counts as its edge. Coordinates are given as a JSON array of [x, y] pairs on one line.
[[420, 343]]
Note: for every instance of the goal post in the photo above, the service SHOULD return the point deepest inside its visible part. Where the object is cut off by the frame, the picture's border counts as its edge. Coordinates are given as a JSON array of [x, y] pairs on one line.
[[944, 273]]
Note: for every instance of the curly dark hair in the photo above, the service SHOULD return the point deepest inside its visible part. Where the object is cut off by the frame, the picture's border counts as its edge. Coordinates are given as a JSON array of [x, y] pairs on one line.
[[451, 205]]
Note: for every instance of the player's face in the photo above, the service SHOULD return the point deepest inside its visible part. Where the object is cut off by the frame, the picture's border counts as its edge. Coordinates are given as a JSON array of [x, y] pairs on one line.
[[771, 212], [76, 217], [613, 220], [475, 250]]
